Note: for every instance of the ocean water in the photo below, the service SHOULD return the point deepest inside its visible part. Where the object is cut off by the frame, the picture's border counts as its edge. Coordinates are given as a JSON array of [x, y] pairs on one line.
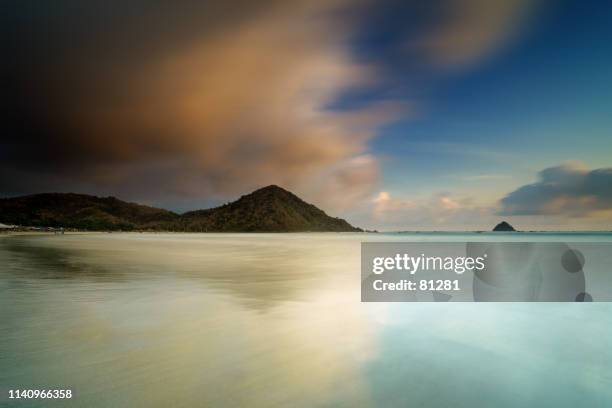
[[275, 320]]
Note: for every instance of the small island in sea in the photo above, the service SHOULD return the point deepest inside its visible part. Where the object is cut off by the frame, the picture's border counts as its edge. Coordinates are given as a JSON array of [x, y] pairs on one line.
[[503, 226], [269, 209]]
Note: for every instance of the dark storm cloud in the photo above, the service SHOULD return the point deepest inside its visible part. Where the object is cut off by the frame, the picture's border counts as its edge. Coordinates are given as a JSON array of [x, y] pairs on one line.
[[569, 189], [150, 99]]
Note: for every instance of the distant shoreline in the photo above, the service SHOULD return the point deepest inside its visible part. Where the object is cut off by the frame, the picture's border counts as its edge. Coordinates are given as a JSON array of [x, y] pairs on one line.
[[13, 233]]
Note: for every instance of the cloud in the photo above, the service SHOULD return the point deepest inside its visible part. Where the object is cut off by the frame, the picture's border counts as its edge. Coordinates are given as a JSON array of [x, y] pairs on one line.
[[444, 211], [153, 101], [190, 101], [467, 30], [569, 189]]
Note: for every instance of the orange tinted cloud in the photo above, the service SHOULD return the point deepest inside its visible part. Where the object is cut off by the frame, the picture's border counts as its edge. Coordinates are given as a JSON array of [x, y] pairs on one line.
[[216, 110], [467, 30], [439, 211], [150, 100]]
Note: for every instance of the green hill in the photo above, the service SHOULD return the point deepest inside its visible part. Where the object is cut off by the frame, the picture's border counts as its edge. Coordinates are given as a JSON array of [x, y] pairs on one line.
[[82, 211], [270, 209]]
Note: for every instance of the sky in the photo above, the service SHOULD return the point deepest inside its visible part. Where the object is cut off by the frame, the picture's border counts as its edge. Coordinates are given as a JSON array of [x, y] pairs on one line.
[[396, 115]]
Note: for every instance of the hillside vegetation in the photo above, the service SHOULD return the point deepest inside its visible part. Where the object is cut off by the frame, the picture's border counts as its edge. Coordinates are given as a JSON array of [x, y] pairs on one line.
[[270, 209]]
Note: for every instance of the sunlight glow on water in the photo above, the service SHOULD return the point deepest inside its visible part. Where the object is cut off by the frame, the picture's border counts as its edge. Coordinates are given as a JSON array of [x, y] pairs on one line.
[[275, 320]]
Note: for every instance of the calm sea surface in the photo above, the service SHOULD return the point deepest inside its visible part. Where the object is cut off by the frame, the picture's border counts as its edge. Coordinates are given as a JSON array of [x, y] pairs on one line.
[[252, 320]]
